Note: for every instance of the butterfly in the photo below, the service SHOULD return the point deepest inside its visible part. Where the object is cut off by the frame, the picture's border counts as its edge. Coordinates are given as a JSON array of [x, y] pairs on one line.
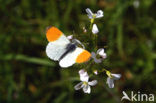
[[61, 49]]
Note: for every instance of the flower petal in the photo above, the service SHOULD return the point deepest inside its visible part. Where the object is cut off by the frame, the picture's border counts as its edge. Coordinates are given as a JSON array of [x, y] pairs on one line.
[[110, 82], [78, 86], [102, 53], [93, 55], [93, 83], [99, 14], [84, 29], [84, 78], [87, 89], [89, 12], [83, 75], [95, 59], [95, 30], [116, 76], [70, 37], [82, 71], [95, 72]]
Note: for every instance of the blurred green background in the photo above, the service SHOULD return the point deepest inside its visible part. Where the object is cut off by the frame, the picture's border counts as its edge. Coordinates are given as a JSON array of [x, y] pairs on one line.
[[27, 75]]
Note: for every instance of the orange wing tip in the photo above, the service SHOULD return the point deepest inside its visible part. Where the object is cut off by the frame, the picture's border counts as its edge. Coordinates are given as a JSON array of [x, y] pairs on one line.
[[53, 34], [83, 57]]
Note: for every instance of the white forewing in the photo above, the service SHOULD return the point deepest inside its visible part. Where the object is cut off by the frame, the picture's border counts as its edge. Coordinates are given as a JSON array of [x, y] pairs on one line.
[[70, 58], [62, 40], [55, 50]]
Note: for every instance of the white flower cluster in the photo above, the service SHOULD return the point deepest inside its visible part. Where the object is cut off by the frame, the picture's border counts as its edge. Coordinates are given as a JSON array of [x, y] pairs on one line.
[[98, 57], [85, 84], [92, 16]]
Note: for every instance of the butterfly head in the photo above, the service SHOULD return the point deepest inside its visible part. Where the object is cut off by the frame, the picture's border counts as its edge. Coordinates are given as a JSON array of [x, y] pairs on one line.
[[77, 42]]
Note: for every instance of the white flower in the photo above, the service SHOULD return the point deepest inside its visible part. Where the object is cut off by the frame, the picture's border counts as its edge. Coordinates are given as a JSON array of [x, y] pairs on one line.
[[83, 75], [92, 15], [99, 14], [111, 78], [102, 53], [85, 84], [136, 3], [95, 72], [84, 29], [93, 55], [70, 37], [95, 29], [99, 52]]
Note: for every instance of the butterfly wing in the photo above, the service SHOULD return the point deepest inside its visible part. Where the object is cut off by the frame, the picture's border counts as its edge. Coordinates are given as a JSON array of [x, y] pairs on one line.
[[55, 51], [57, 43], [79, 55], [54, 35]]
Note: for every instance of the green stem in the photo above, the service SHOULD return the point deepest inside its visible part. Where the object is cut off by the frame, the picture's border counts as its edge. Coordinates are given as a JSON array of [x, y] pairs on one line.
[[91, 23], [104, 70], [95, 41]]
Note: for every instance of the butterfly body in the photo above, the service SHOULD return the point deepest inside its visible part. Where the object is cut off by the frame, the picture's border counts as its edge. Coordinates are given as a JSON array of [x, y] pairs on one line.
[[70, 48]]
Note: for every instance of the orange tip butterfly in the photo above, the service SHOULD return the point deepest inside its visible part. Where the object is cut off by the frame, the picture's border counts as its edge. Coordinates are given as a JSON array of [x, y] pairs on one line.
[[61, 49]]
